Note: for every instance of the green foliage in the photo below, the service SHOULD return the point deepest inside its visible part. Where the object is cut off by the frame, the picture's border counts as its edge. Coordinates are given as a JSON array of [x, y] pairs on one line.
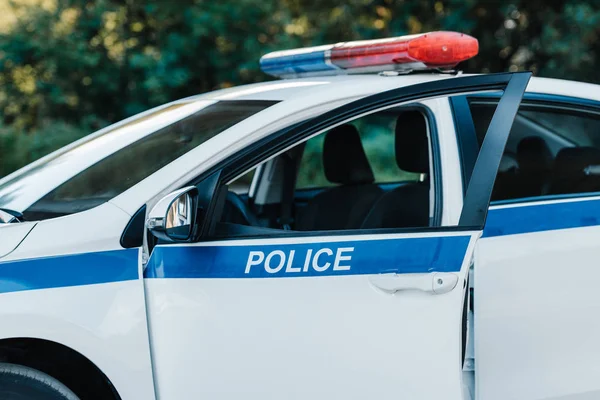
[[17, 149], [68, 67]]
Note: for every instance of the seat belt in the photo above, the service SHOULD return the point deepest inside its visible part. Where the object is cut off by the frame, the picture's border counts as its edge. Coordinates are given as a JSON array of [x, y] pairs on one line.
[[288, 186]]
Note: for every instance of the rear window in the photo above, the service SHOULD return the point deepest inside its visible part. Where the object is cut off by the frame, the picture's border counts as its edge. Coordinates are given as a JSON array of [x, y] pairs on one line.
[[552, 150], [579, 129], [126, 167]]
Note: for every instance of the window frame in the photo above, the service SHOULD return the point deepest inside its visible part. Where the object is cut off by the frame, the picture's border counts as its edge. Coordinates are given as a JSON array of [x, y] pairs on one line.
[[512, 86], [232, 170]]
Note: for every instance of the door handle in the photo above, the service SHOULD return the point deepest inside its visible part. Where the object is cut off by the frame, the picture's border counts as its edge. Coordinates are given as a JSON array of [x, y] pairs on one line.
[[434, 283]]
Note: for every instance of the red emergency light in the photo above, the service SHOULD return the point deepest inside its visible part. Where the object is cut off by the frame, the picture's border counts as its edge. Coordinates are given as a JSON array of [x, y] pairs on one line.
[[414, 52]]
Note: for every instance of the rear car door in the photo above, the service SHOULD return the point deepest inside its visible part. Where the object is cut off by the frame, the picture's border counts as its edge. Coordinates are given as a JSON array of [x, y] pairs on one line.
[[324, 314], [536, 266]]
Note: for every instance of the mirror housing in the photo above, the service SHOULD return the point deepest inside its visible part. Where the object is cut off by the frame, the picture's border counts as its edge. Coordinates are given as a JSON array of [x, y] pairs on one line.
[[173, 218]]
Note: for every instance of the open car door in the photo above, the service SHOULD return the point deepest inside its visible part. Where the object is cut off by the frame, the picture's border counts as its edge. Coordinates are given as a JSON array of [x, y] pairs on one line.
[[324, 315]]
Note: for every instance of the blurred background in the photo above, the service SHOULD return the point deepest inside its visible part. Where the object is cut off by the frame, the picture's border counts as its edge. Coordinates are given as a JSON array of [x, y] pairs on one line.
[[70, 67]]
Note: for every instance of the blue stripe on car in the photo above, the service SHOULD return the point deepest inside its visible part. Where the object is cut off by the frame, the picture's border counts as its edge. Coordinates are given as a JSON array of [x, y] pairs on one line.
[[542, 217], [69, 270], [405, 255]]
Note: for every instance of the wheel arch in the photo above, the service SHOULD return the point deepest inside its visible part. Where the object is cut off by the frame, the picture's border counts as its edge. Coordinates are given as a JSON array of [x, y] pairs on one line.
[[63, 363]]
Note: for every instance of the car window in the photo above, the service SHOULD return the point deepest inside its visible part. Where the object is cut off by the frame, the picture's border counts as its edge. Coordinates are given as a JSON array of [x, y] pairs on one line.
[[377, 134], [580, 129], [241, 185], [129, 165], [353, 159], [551, 151]]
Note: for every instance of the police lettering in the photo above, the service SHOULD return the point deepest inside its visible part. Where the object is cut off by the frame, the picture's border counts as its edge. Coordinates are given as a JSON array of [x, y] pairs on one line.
[[320, 260]]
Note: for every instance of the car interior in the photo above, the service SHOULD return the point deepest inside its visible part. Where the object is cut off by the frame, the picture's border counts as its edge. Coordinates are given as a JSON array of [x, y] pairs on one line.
[[351, 195]]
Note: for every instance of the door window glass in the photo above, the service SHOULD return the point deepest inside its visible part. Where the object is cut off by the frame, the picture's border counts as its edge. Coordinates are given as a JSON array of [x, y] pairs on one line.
[[377, 134], [580, 129], [241, 185], [370, 173], [550, 151]]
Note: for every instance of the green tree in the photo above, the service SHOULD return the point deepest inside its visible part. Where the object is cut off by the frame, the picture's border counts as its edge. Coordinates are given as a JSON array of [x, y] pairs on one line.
[[69, 67]]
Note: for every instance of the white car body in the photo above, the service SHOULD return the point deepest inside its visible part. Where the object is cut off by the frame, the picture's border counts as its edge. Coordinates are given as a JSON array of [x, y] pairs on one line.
[[533, 333]]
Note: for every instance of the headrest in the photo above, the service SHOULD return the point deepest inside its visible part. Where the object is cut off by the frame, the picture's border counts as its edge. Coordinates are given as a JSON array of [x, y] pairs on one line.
[[533, 154], [576, 159], [344, 158], [412, 149], [570, 173]]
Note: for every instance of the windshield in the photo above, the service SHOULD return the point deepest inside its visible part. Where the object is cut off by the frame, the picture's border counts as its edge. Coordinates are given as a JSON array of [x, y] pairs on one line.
[[104, 167]]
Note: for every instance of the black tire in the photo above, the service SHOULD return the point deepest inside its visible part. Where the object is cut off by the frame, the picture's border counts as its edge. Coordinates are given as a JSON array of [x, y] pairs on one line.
[[23, 383]]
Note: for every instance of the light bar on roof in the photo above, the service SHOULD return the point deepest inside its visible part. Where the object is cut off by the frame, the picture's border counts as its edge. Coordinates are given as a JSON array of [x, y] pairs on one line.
[[414, 52]]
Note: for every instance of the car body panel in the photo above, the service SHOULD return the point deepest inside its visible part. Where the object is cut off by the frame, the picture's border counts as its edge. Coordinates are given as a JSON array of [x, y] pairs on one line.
[[11, 235]]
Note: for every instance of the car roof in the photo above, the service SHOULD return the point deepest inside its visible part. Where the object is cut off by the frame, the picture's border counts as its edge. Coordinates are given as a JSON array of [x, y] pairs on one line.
[[281, 90]]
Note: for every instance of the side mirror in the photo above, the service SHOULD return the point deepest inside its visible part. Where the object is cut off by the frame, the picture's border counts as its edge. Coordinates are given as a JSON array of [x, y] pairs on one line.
[[174, 216]]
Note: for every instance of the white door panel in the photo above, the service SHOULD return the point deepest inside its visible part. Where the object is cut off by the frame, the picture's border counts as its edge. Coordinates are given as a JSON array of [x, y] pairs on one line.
[[316, 337], [537, 302], [329, 347]]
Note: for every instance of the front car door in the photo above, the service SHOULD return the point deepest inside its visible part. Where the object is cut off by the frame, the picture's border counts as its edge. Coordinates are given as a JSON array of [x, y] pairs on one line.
[[324, 314]]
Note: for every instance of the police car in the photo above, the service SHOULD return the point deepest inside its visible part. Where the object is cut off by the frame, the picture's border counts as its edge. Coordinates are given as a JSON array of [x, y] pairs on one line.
[[373, 225]]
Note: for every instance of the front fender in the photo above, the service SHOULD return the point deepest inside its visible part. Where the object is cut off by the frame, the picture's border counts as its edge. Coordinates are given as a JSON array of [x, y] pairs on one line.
[[106, 323], [11, 235]]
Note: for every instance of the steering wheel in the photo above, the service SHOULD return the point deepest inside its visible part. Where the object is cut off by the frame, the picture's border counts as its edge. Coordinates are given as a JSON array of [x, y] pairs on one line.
[[236, 211]]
